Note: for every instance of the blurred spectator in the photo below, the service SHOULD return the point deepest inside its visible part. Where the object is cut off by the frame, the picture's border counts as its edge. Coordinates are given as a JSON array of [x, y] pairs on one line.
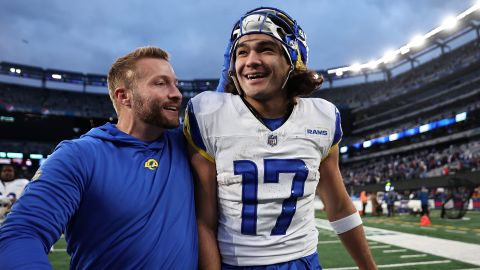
[[390, 198], [423, 197], [11, 188], [364, 200], [376, 207]]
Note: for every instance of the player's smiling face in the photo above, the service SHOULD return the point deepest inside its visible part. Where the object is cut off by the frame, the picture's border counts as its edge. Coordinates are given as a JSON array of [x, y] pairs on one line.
[[156, 97], [261, 66]]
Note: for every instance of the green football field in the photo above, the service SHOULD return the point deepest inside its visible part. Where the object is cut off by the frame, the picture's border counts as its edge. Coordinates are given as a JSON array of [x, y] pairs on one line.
[[333, 255]]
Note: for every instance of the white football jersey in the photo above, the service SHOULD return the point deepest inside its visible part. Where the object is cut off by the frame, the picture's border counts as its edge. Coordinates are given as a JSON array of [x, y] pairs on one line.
[[266, 179], [8, 189]]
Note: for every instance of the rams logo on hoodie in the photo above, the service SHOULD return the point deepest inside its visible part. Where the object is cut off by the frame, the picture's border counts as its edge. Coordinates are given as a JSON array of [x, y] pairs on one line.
[[151, 164]]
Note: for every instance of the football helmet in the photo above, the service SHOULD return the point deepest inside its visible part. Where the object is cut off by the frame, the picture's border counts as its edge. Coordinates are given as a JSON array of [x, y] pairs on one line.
[[279, 25]]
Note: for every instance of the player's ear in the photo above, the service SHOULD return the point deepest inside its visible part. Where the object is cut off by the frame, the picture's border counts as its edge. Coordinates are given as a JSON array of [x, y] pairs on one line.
[[123, 97]]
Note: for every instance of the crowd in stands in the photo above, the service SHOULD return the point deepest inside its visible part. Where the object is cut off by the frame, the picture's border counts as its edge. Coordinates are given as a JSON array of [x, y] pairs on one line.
[[27, 99], [424, 106], [418, 164]]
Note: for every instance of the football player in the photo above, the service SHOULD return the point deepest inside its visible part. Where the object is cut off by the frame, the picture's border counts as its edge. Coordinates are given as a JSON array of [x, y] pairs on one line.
[[11, 189], [260, 152]]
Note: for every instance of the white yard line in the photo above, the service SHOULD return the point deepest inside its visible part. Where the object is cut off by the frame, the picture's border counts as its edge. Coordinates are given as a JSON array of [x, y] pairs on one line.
[[455, 231], [413, 256], [394, 250], [393, 265], [456, 250], [379, 247]]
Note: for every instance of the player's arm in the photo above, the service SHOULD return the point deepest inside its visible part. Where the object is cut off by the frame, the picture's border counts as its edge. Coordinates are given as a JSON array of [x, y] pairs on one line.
[[206, 209], [341, 212]]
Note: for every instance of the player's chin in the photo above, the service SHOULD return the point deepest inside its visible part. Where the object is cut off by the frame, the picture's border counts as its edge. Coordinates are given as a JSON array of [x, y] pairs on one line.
[[254, 91]]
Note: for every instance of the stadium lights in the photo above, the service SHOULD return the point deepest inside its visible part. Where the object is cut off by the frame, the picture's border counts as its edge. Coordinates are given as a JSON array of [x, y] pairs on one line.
[[57, 76], [393, 137], [461, 117], [36, 156], [424, 128], [343, 149], [449, 23], [14, 155], [469, 11], [413, 131], [417, 41], [367, 144], [404, 50], [355, 67], [389, 57], [15, 70], [372, 64]]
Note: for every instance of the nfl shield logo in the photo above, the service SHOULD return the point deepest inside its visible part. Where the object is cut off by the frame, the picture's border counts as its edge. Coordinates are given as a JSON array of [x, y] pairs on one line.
[[272, 140]]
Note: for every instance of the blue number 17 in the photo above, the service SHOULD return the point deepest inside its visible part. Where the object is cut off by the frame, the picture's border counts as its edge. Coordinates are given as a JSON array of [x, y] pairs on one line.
[[273, 168]]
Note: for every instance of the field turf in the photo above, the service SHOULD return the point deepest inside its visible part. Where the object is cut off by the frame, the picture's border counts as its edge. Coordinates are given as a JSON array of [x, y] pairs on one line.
[[333, 255]]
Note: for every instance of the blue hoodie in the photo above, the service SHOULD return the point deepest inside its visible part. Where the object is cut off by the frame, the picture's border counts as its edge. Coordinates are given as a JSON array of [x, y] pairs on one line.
[[121, 202]]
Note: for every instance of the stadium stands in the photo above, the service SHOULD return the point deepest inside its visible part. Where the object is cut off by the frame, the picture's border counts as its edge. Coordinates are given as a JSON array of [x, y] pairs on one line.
[[413, 124]]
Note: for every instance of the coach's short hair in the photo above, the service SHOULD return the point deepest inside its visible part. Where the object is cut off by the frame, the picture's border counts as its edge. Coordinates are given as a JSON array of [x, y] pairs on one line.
[[123, 72]]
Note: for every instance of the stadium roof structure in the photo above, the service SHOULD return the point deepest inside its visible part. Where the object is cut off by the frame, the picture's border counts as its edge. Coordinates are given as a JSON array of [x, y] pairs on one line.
[[438, 38], [56, 75], [19, 70]]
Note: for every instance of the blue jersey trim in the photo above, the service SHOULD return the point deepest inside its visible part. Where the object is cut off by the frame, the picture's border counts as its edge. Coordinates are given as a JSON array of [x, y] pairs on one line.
[[194, 129], [273, 124], [338, 128]]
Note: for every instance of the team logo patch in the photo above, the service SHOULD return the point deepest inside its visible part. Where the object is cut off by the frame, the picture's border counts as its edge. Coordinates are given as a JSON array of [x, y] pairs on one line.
[[151, 164], [272, 140], [316, 132]]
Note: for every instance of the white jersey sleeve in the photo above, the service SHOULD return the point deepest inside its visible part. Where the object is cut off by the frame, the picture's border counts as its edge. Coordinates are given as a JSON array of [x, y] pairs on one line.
[[266, 179], [14, 188], [9, 190]]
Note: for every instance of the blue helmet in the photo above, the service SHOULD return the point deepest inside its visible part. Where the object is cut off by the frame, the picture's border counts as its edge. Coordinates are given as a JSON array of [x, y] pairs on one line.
[[279, 25]]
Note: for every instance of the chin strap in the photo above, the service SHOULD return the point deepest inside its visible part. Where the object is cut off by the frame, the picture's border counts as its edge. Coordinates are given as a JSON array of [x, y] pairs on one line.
[[288, 77], [236, 83]]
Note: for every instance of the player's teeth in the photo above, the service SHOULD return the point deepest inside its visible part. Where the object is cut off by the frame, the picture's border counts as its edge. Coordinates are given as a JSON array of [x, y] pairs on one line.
[[253, 76]]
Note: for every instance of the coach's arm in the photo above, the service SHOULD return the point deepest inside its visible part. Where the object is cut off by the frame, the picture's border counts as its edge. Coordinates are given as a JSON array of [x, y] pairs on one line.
[[338, 205]]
